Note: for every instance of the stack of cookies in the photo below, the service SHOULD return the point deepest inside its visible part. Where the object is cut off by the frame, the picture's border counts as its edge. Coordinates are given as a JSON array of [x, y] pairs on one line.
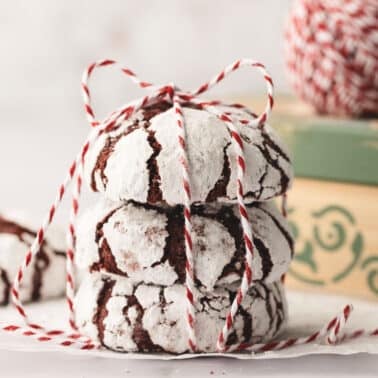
[[131, 243]]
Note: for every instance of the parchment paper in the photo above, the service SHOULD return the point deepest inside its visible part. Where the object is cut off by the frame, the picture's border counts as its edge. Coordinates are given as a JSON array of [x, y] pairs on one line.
[[308, 312]]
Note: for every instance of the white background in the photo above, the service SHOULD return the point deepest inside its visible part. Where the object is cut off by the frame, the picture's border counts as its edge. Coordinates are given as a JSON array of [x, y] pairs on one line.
[[45, 45]]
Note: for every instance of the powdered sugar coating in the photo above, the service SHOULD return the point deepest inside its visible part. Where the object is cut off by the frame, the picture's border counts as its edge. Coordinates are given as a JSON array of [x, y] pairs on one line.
[[45, 278], [130, 317], [134, 178], [146, 243], [140, 160]]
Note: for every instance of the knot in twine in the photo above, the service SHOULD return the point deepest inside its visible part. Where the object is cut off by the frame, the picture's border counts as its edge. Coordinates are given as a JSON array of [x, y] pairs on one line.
[[331, 333]]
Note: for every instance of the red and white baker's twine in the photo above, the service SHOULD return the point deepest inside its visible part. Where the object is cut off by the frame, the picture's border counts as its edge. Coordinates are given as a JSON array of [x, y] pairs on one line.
[[331, 53], [189, 266], [331, 331]]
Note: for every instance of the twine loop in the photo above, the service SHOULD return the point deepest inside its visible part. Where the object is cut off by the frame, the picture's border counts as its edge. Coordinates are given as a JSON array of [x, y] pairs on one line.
[[178, 99]]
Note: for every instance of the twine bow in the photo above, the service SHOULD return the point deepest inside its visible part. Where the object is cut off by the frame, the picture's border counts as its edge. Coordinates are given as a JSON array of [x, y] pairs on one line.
[[75, 173], [177, 98]]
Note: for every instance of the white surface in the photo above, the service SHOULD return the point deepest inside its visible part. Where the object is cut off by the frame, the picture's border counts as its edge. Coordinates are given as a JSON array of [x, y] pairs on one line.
[[18, 364], [308, 313]]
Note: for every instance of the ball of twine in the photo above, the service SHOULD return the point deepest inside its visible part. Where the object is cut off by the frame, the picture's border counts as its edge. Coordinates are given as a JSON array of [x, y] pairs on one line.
[[331, 55]]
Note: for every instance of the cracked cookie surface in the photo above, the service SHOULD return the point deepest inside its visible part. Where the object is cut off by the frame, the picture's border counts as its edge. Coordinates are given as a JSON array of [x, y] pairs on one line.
[[146, 243], [45, 278], [140, 159], [135, 317]]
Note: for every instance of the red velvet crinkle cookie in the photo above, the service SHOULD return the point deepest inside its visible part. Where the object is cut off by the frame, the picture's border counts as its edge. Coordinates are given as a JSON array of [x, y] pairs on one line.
[[46, 276], [146, 243], [126, 316], [140, 159]]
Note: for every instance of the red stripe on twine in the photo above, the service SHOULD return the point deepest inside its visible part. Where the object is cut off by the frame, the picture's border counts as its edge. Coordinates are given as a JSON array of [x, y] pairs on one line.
[[186, 188], [35, 326], [312, 338], [268, 78], [85, 89], [188, 239], [14, 292], [44, 338], [55, 332], [51, 213], [70, 254], [263, 119], [192, 345], [71, 321], [224, 117], [220, 77], [40, 236], [331, 323], [189, 295], [187, 213], [240, 188], [243, 211], [127, 71], [89, 110], [347, 310], [236, 65], [73, 169], [257, 64], [190, 319], [69, 279], [241, 163], [144, 84], [75, 205], [203, 88], [269, 346], [61, 192], [238, 139], [28, 258], [85, 150], [248, 241], [79, 183], [288, 343], [229, 321], [91, 68], [21, 310], [71, 229], [107, 62], [11, 328], [239, 297], [182, 142], [88, 347], [248, 273], [70, 304], [271, 100]]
